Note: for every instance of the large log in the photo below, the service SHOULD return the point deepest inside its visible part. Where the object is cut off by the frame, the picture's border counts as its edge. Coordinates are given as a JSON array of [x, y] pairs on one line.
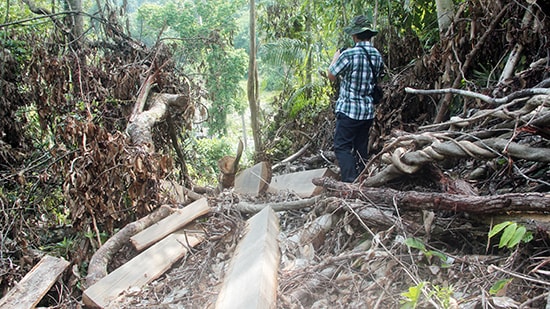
[[255, 180], [494, 204]]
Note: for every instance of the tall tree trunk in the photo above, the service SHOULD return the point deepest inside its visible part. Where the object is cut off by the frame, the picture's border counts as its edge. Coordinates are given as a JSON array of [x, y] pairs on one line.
[[252, 87], [76, 25]]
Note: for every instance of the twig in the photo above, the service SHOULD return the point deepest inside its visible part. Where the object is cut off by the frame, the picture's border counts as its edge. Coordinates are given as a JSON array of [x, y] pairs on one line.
[[485, 98], [518, 275]]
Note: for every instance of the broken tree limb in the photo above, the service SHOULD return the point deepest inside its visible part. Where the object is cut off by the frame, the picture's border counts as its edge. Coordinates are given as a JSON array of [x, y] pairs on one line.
[[139, 129], [494, 204], [515, 53], [246, 207], [97, 268], [292, 157], [142, 97], [532, 111]]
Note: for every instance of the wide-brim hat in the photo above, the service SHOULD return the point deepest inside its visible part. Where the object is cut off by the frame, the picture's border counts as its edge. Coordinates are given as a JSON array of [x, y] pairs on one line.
[[360, 24]]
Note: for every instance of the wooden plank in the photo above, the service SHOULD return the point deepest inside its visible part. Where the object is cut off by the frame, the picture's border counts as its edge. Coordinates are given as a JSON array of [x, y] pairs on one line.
[[172, 223], [30, 290], [253, 181], [251, 279], [300, 182], [141, 270]]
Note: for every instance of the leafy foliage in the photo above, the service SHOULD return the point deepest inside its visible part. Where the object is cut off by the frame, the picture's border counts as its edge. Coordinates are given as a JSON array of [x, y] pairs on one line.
[[512, 234], [205, 153], [418, 244], [203, 33]]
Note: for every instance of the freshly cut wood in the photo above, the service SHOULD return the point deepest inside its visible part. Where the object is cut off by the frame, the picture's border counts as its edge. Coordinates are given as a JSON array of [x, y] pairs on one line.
[[254, 181], [172, 223], [30, 290], [251, 279], [141, 270], [229, 166], [97, 268], [300, 182]]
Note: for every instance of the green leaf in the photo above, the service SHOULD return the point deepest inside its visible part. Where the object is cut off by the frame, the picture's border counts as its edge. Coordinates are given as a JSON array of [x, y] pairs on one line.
[[412, 296], [440, 255], [499, 285], [507, 235], [497, 228], [415, 243], [528, 236], [517, 237]]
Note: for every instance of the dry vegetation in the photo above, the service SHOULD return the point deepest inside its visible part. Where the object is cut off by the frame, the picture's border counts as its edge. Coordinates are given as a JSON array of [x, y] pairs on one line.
[[348, 249]]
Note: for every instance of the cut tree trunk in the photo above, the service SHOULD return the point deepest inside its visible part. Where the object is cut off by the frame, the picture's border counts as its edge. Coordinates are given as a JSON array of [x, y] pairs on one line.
[[229, 166], [254, 180]]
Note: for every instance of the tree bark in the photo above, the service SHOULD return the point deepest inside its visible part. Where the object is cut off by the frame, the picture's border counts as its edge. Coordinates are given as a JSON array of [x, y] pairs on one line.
[[253, 87], [494, 204]]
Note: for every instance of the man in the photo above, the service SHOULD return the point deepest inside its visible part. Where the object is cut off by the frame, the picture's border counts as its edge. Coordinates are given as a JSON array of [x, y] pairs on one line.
[[354, 107]]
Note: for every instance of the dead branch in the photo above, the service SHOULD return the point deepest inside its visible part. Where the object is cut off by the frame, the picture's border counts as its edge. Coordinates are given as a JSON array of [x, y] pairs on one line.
[[246, 207], [292, 157], [495, 204], [485, 98]]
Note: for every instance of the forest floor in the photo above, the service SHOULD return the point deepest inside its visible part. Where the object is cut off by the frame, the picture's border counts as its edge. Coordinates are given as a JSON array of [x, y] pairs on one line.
[[349, 263]]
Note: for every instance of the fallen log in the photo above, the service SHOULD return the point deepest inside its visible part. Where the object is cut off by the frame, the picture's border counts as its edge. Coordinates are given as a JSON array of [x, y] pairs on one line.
[[494, 204], [404, 162]]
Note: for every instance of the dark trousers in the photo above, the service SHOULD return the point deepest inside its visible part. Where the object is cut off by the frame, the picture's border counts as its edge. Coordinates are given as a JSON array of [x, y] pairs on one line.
[[351, 145]]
